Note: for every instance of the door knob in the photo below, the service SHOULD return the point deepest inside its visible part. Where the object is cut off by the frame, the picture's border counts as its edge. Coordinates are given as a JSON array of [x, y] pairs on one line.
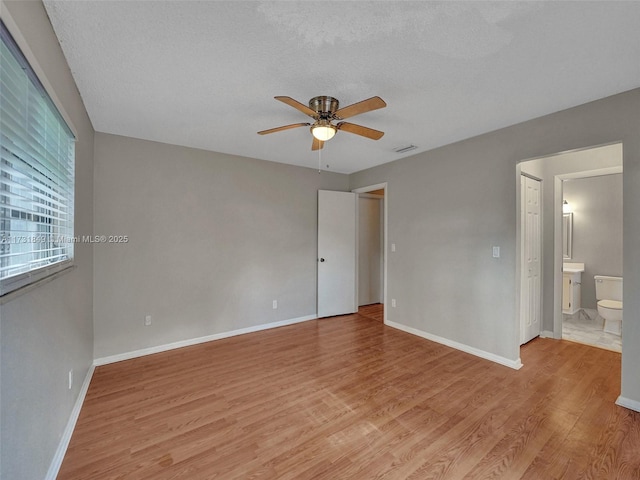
[[322, 259]]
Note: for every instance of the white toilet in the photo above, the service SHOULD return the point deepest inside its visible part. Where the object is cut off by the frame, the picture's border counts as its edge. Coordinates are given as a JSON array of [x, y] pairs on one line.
[[609, 296]]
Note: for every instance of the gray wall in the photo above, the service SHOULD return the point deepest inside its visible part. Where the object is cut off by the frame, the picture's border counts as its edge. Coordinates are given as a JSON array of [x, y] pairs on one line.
[[213, 240], [546, 169], [447, 207], [49, 330], [597, 229]]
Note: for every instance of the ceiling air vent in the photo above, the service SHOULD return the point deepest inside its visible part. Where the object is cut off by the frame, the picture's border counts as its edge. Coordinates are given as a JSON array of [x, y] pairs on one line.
[[405, 149]]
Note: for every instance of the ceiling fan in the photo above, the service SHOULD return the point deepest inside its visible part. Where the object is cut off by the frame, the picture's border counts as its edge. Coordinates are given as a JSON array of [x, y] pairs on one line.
[[324, 110]]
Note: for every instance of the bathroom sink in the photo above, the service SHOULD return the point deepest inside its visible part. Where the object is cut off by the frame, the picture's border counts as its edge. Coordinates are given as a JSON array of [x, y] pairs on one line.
[[573, 267]]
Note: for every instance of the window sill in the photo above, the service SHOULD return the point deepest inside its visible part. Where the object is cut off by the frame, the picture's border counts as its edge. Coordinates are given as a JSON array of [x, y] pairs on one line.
[[7, 297]]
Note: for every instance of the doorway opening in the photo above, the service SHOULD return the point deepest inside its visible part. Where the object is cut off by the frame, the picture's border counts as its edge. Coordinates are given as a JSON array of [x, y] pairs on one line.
[[592, 259], [553, 170], [371, 271]]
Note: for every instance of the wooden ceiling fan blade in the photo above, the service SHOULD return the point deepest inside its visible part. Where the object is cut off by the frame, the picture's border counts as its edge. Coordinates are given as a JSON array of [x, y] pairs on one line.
[[317, 144], [373, 103], [360, 130], [297, 105], [285, 127]]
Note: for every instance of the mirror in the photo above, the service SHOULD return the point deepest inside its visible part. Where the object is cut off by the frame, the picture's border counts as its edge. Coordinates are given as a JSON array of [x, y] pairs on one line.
[[567, 234]]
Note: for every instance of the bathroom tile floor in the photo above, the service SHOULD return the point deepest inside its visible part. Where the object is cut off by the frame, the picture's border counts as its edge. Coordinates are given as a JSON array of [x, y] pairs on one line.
[[586, 326]]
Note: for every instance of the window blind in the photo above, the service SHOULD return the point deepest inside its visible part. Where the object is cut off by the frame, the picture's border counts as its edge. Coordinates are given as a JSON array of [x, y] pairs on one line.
[[37, 163]]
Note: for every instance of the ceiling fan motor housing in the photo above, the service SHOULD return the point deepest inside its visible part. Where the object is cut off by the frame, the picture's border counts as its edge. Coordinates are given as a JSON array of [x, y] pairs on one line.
[[324, 106]]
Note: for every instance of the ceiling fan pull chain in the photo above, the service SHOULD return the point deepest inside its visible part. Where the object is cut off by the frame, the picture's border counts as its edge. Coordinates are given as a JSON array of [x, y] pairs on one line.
[[319, 160]]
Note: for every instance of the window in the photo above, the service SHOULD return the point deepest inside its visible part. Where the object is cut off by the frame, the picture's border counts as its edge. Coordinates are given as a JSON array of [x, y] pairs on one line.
[[37, 161]]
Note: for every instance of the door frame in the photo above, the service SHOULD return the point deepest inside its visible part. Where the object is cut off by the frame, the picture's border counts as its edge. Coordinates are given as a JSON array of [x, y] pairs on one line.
[[367, 189], [557, 236]]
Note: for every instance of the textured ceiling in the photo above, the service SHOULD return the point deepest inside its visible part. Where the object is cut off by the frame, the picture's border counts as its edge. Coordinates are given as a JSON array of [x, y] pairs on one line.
[[204, 74]]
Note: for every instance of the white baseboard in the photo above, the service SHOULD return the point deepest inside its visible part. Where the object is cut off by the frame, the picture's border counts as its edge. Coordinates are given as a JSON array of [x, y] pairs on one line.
[[54, 467], [515, 364], [546, 334], [194, 341], [628, 403]]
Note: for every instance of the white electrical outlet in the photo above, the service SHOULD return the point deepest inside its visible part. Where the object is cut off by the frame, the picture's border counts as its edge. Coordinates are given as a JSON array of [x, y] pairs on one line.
[[393, 303], [70, 378], [275, 304], [496, 252], [393, 247], [147, 320]]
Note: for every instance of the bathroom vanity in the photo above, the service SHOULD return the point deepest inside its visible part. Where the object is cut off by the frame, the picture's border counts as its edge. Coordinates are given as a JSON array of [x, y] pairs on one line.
[[571, 282]]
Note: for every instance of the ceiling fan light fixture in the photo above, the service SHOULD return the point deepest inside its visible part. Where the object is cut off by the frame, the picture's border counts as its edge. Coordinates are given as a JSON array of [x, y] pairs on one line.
[[324, 110], [323, 130]]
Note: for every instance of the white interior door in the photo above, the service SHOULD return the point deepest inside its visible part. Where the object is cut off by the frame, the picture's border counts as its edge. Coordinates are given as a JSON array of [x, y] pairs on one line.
[[336, 253], [530, 296]]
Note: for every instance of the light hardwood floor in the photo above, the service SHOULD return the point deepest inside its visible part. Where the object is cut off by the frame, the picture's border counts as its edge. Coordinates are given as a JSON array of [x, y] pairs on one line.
[[348, 398]]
